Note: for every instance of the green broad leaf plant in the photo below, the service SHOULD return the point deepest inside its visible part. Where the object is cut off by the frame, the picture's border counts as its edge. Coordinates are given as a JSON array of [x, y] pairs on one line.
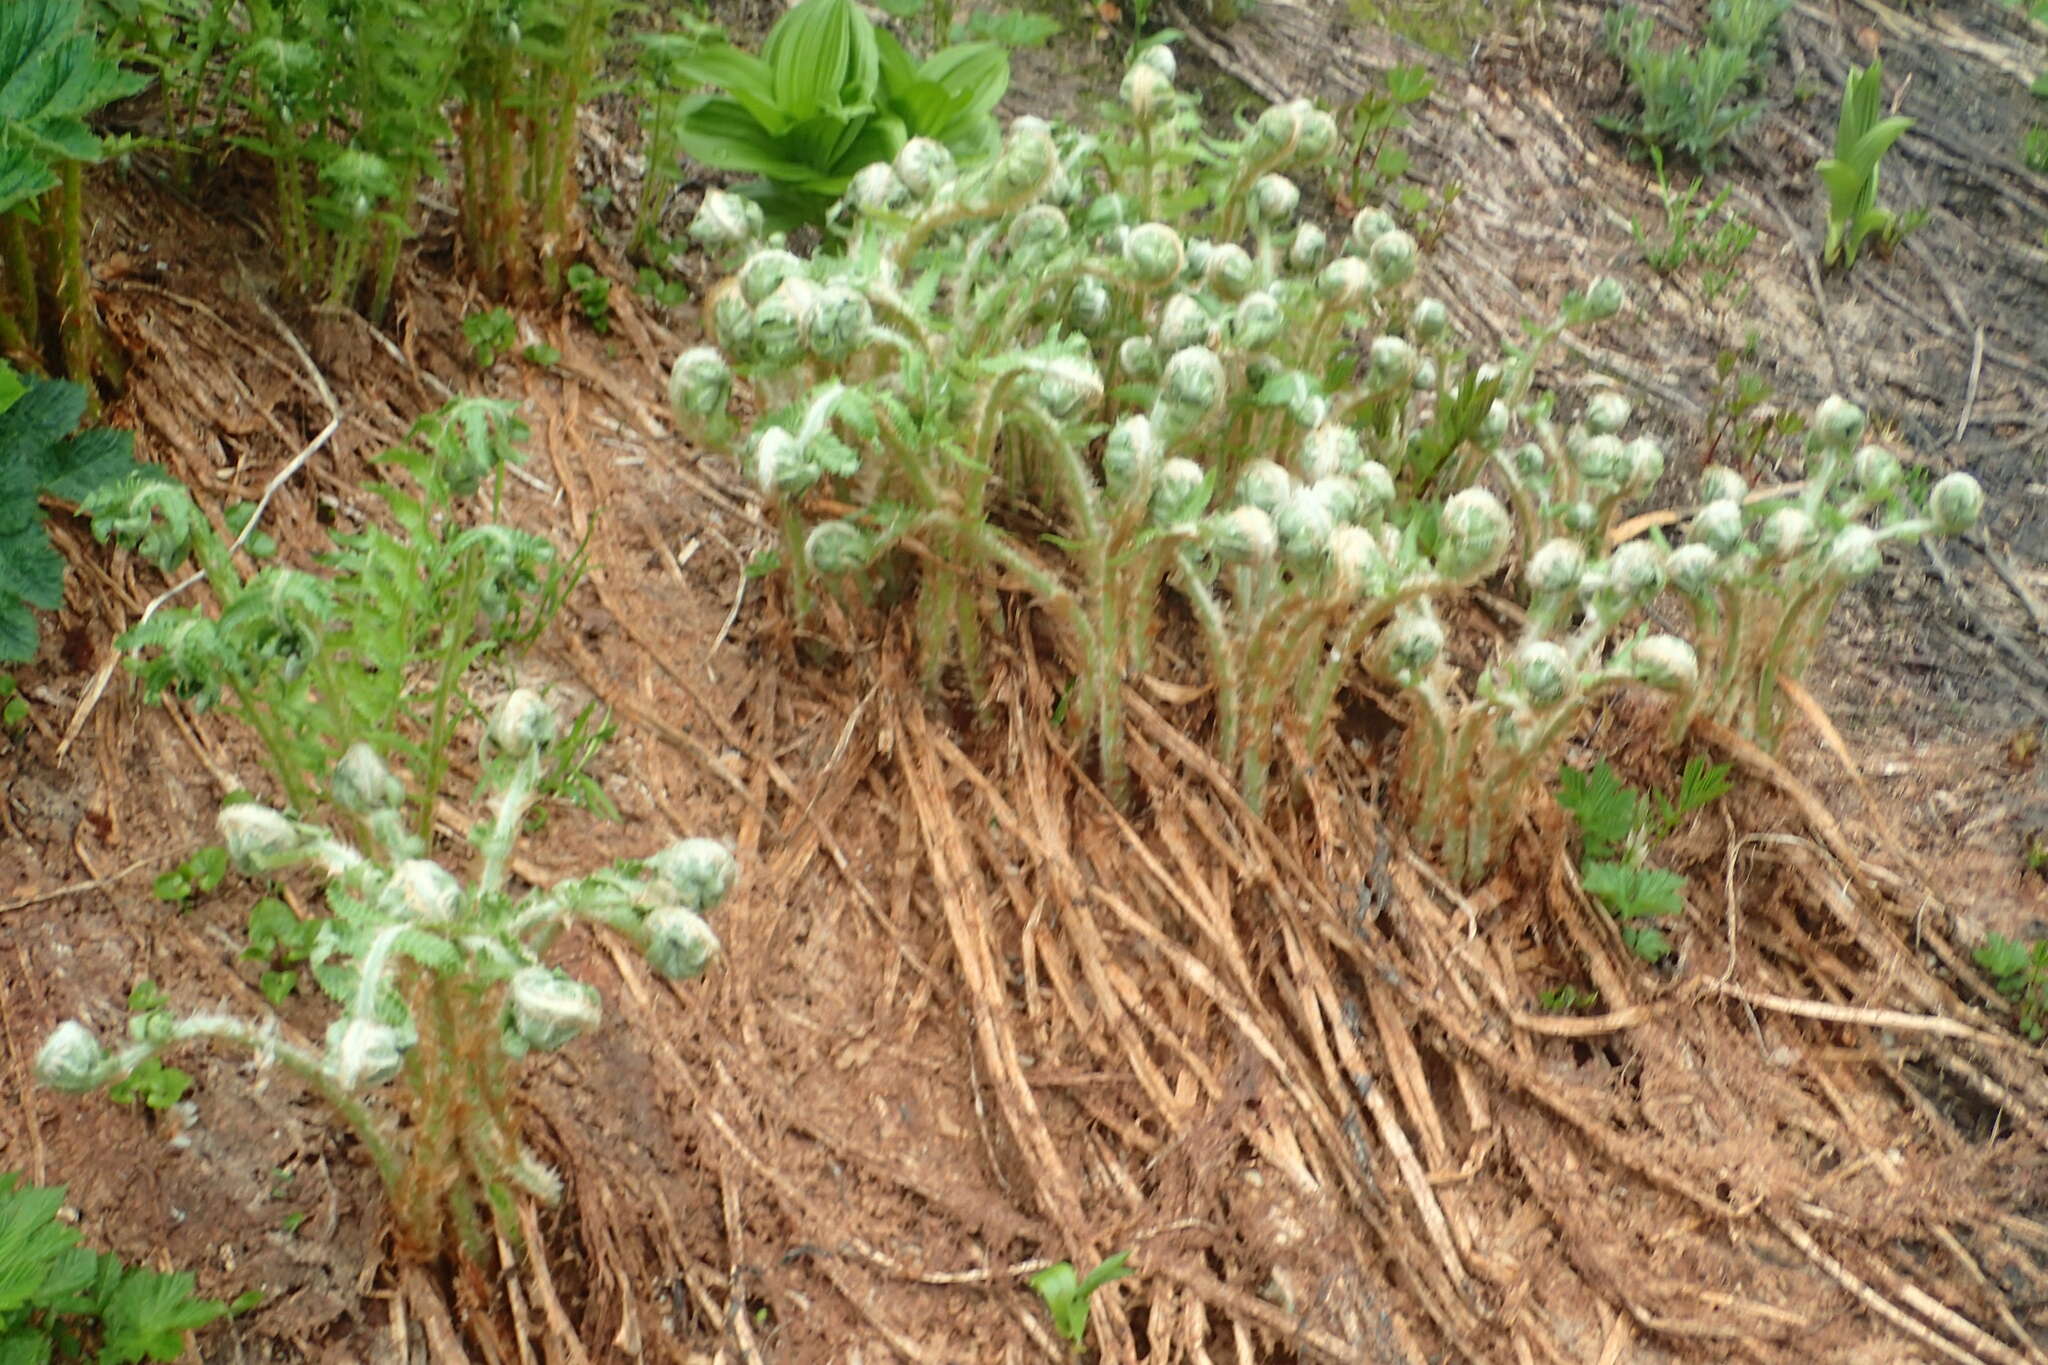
[[43, 454], [1116, 374], [63, 1301], [1850, 176], [828, 95]]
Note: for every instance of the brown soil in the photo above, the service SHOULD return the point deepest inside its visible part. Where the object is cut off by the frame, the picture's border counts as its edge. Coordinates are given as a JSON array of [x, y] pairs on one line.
[[972, 1020]]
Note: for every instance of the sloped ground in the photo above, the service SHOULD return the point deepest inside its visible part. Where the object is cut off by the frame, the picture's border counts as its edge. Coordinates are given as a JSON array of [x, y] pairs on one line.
[[972, 1020]]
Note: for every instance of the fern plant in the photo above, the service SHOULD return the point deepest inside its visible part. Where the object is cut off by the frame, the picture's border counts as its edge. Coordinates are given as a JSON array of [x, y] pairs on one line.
[[57, 79], [383, 648], [443, 988], [360, 685]]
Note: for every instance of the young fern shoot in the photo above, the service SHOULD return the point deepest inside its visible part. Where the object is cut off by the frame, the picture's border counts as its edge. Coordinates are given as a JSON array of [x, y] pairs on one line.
[[444, 987]]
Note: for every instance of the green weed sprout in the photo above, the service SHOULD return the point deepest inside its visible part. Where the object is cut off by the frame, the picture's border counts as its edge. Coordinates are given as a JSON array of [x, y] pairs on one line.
[[1850, 175], [443, 987], [1067, 1296], [1619, 829], [1760, 577], [1692, 233], [2020, 971]]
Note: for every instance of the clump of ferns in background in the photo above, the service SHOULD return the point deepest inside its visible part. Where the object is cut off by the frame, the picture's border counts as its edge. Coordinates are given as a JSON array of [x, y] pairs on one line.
[[1103, 370], [1035, 334], [356, 107], [444, 987]]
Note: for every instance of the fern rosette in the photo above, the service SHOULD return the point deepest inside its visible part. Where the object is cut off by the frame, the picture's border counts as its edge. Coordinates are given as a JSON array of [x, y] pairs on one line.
[[1121, 375], [441, 985]]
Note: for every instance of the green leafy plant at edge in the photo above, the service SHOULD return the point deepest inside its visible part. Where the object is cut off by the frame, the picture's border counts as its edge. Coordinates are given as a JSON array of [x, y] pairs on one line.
[[2020, 972], [1067, 1295], [42, 454], [60, 1300], [1850, 175], [828, 95], [13, 706]]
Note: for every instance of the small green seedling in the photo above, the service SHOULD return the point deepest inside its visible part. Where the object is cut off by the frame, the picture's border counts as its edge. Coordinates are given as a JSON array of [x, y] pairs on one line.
[[593, 294], [13, 706], [1691, 232], [490, 334], [659, 289], [2035, 854], [2020, 972], [280, 939], [198, 875], [1850, 175], [1427, 210], [1567, 999], [1066, 1295], [1740, 422], [1378, 115], [542, 354], [1620, 827], [156, 1085]]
